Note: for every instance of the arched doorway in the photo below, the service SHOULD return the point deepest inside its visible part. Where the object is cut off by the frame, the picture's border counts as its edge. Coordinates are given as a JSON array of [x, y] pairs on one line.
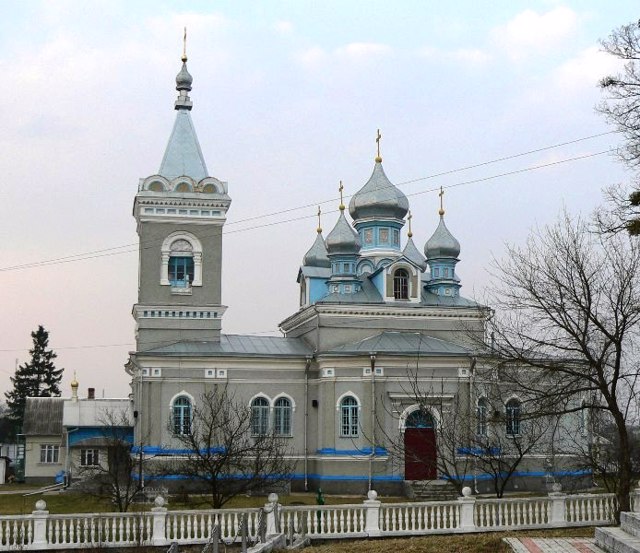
[[420, 446]]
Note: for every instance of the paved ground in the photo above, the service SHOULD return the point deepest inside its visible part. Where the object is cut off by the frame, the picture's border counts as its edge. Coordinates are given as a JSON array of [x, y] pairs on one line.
[[553, 545]]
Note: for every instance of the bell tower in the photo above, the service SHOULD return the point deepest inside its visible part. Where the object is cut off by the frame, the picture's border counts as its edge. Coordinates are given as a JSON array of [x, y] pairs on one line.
[[180, 213]]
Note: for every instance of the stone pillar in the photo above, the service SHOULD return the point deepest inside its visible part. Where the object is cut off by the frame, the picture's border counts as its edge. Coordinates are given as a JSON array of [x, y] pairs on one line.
[[467, 508], [558, 514], [635, 499], [159, 514], [40, 516], [272, 508], [372, 517]]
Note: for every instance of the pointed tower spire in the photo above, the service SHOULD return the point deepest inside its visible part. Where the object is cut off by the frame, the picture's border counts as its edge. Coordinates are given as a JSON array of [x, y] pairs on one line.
[[183, 156]]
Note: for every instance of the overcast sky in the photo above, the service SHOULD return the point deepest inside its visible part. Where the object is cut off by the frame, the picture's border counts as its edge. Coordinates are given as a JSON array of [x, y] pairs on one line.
[[287, 99]]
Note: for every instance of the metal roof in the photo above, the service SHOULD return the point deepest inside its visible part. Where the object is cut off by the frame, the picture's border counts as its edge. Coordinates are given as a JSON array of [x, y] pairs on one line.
[[238, 344], [183, 156], [43, 416], [402, 343]]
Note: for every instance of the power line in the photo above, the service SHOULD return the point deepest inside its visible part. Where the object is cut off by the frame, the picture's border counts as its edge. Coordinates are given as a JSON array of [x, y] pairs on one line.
[[133, 247]]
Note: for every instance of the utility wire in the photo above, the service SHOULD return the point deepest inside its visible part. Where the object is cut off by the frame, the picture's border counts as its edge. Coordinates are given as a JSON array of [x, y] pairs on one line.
[[133, 247]]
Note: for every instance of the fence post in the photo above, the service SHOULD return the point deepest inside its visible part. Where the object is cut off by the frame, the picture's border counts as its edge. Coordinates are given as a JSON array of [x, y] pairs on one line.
[[40, 516], [558, 514], [159, 515], [372, 518], [467, 510], [272, 510], [635, 499]]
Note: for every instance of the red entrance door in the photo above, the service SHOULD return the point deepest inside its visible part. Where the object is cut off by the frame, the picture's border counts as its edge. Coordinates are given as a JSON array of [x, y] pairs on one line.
[[420, 454]]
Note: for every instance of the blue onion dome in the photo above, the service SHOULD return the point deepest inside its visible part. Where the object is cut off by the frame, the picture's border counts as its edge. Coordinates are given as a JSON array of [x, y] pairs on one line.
[[378, 198], [413, 254], [343, 239], [184, 80], [317, 254], [442, 243]]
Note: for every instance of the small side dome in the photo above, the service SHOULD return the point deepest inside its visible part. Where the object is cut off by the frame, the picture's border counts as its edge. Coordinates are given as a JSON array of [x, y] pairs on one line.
[[317, 254], [378, 198], [413, 254], [343, 239], [442, 243]]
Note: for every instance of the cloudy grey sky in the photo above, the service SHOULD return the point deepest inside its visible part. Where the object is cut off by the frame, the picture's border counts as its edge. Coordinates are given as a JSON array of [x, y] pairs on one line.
[[287, 99]]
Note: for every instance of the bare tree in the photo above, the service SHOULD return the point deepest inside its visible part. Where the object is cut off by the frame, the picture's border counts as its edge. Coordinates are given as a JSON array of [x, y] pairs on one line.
[[474, 434], [567, 324], [227, 454], [109, 469], [621, 108]]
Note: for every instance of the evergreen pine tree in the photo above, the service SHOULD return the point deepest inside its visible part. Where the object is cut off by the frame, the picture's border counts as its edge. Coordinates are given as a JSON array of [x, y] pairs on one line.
[[37, 378]]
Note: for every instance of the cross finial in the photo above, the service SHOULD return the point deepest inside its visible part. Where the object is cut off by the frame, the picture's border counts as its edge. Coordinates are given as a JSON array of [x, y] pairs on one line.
[[378, 137], [319, 229], [184, 45], [341, 188], [441, 194], [409, 217]]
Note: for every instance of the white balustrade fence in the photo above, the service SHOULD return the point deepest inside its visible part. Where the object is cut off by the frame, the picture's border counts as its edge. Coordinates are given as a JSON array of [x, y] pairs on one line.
[[40, 530]]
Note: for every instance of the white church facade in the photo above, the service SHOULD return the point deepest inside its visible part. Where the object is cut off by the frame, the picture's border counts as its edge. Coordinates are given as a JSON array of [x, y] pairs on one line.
[[377, 313]]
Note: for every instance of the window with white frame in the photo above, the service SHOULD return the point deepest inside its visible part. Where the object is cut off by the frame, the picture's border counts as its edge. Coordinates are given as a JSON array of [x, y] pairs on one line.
[[181, 415], [49, 453], [482, 410], [89, 457], [181, 261], [282, 417], [259, 416], [349, 417], [514, 413]]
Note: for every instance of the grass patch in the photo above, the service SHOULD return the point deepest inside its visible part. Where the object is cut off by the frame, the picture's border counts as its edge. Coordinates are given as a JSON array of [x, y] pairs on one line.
[[468, 543]]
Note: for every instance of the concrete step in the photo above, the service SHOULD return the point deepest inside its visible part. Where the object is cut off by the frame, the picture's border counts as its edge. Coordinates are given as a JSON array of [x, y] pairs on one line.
[[630, 523], [616, 540]]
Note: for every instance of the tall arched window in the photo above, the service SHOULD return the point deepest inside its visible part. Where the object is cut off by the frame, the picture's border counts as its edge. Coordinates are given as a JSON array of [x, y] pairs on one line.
[[481, 416], [259, 416], [401, 284], [282, 417], [514, 412], [181, 261], [182, 415], [349, 416]]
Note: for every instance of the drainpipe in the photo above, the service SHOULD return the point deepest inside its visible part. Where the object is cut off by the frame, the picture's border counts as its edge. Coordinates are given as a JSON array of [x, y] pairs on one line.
[[306, 422], [372, 356], [472, 373]]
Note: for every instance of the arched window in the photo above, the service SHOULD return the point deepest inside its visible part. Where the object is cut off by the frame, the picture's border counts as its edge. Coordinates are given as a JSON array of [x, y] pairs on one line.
[[259, 416], [514, 411], [182, 415], [349, 417], [419, 419], [481, 416], [401, 285], [282, 417], [181, 261]]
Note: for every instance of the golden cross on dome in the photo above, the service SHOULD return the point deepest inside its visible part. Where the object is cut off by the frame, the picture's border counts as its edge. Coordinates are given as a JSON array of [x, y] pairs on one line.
[[441, 194], [319, 229], [341, 188], [409, 217], [184, 45], [378, 137]]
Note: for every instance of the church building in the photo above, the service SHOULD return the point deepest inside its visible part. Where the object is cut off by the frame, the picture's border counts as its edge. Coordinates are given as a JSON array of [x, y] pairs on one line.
[[378, 311]]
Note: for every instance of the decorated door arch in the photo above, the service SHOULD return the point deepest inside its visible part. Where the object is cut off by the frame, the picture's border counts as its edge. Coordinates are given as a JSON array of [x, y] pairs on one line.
[[420, 454]]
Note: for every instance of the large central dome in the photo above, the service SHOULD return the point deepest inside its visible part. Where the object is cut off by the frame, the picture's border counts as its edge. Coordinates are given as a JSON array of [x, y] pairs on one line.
[[378, 198]]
